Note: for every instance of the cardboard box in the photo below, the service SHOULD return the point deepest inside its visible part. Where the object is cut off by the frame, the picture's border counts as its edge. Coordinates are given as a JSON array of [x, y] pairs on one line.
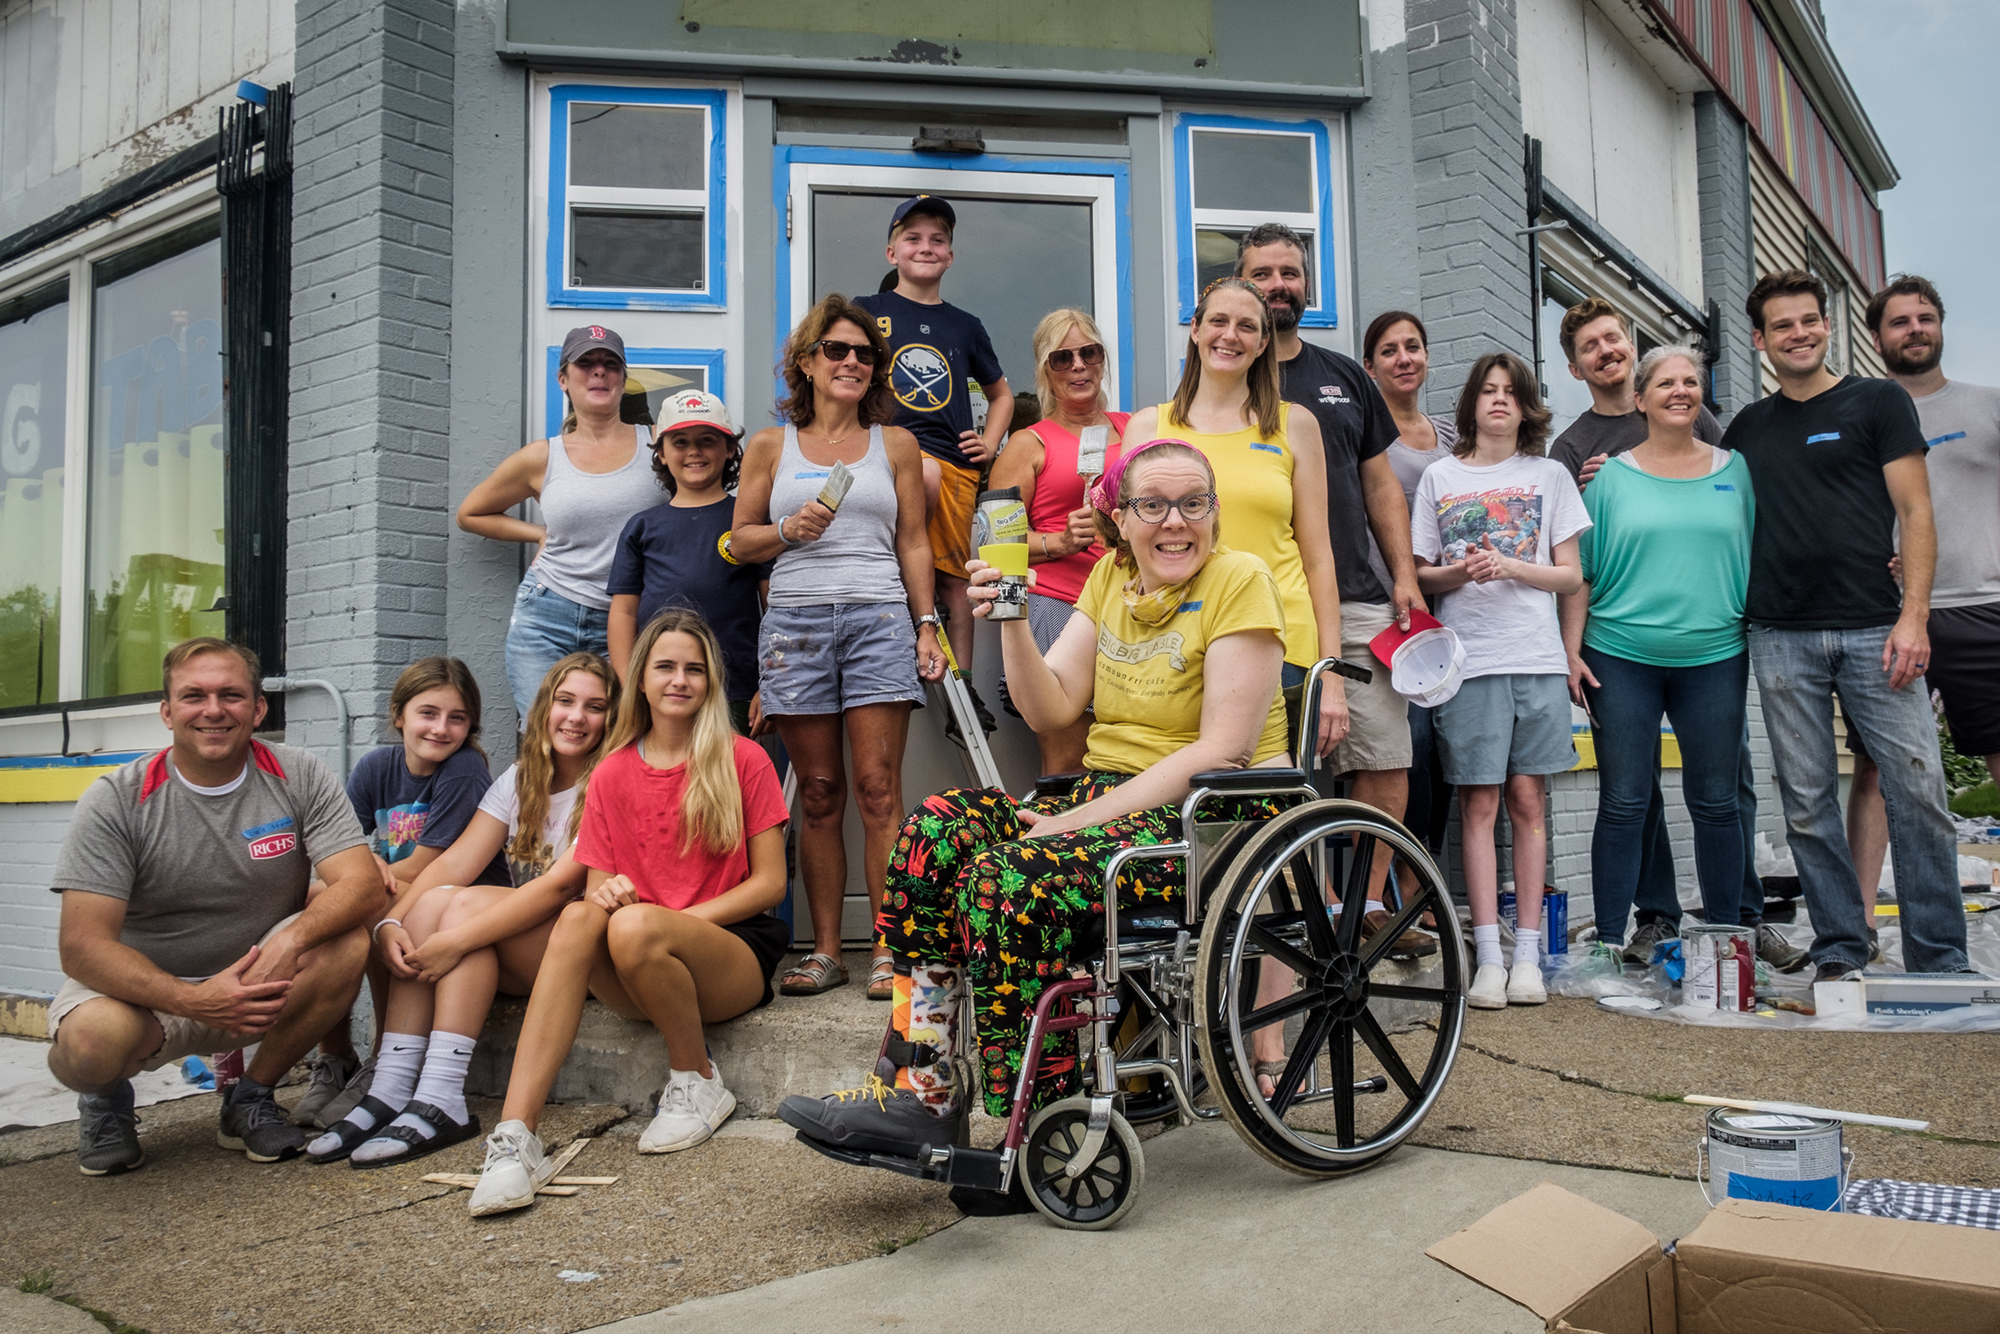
[[1911, 994], [1749, 1268]]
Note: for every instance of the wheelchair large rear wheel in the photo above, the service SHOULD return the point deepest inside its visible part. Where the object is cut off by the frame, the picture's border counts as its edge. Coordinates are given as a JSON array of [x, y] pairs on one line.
[[1367, 1041]]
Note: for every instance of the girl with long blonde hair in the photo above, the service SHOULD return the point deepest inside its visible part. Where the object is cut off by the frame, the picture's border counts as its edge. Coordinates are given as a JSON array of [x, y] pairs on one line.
[[683, 847], [460, 942]]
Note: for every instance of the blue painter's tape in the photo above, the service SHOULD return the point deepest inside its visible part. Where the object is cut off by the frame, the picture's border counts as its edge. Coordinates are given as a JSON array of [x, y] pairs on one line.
[[282, 822], [1934, 443], [802, 476], [107, 759], [1819, 1194], [1189, 606], [1822, 437], [1268, 449], [1725, 486]]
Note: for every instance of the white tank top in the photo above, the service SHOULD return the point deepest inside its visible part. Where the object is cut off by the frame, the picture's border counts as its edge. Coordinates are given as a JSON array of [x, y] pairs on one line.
[[584, 513], [855, 559]]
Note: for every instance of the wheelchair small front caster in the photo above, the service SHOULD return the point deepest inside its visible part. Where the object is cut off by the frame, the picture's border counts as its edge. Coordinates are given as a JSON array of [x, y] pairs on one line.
[[1107, 1185]]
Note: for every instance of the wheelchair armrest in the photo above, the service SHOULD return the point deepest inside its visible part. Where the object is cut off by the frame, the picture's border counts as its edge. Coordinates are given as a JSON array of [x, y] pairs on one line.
[[1055, 785], [1248, 780]]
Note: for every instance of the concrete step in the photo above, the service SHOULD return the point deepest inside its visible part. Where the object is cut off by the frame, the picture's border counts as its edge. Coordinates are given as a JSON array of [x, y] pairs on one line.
[[796, 1044]]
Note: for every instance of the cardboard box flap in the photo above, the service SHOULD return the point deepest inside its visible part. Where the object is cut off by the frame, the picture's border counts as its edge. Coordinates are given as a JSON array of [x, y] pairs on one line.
[[1930, 1252], [1547, 1249]]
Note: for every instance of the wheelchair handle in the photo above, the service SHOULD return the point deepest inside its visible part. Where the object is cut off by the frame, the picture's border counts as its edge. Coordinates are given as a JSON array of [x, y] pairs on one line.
[[1304, 744]]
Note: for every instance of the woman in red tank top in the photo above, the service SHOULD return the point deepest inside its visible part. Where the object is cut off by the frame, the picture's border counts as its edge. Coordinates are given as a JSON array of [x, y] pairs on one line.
[[1042, 462]]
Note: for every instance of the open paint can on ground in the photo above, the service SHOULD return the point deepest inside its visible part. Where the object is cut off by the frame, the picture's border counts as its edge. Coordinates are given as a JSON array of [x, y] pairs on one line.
[[1721, 967], [1795, 1160]]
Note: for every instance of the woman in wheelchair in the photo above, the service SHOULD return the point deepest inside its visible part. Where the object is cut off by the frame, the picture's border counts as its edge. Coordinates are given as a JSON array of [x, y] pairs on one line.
[[1176, 644]]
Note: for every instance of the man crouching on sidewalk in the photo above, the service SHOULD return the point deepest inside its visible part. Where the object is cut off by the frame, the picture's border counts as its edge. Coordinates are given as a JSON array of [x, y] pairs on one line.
[[186, 925]]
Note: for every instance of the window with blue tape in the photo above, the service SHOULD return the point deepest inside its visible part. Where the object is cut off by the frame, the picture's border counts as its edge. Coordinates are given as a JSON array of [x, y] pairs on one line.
[[1232, 173]]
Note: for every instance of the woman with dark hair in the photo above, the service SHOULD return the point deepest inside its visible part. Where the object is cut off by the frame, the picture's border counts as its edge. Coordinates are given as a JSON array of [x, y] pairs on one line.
[[589, 479], [681, 553], [851, 626], [1270, 468], [1495, 531]]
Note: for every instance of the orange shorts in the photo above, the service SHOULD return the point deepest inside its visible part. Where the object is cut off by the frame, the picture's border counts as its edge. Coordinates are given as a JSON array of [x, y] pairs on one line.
[[951, 521]]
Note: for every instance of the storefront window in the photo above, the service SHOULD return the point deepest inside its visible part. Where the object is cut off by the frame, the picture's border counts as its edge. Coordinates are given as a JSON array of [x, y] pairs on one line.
[[154, 562], [1234, 173], [34, 382]]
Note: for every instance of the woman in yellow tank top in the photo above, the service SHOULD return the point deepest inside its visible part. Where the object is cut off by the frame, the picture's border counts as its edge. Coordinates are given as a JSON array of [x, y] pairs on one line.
[[1270, 471]]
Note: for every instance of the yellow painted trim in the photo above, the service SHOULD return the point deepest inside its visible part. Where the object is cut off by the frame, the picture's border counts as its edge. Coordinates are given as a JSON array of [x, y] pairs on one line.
[[1586, 751], [24, 1016], [42, 785]]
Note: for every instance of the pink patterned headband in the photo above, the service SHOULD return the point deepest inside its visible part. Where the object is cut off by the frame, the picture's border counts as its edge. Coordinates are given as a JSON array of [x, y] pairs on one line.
[[1104, 494]]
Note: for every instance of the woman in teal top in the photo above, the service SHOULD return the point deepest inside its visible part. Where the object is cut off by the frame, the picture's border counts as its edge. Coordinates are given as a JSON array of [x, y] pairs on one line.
[[1666, 566]]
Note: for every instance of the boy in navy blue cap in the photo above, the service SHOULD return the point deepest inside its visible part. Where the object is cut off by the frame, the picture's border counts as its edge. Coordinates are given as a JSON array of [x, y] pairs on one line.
[[935, 348]]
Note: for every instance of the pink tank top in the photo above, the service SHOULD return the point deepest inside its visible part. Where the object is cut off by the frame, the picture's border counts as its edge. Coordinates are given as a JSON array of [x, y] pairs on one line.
[[1058, 491]]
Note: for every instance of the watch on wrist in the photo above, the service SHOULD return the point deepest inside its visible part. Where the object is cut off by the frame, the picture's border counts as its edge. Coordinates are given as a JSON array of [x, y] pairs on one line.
[[930, 618]]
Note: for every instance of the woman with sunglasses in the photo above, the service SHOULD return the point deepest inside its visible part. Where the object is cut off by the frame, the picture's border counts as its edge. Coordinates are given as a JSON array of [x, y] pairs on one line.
[[589, 478], [851, 625], [1063, 545], [1176, 644], [1271, 467]]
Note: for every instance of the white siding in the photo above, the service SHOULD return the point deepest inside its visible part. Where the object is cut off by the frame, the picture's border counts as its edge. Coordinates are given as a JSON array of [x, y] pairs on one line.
[[93, 90]]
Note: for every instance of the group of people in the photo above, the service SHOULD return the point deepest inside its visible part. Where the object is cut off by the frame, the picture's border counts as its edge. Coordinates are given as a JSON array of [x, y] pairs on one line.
[[693, 589]]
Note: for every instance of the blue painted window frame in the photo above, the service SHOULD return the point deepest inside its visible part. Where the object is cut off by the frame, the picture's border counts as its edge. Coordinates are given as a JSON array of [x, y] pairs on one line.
[[1327, 316], [713, 360], [783, 158], [559, 293]]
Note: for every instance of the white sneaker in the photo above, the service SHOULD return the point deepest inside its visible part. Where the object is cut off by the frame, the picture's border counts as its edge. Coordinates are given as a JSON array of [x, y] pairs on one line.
[[1524, 984], [515, 1169], [691, 1108], [1489, 988]]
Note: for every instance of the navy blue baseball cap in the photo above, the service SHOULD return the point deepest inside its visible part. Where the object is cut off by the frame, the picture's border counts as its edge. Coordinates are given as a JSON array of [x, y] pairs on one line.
[[930, 204]]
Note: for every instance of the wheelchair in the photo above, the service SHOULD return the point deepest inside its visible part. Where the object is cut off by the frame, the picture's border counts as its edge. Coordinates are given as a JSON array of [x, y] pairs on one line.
[[1171, 1006]]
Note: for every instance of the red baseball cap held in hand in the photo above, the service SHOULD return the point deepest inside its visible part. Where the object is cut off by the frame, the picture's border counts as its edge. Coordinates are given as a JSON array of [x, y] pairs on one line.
[[1426, 661]]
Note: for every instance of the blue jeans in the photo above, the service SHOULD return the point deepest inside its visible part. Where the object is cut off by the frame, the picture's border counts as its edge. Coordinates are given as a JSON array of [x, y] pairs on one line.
[[1659, 897], [1706, 706], [547, 627], [1798, 672]]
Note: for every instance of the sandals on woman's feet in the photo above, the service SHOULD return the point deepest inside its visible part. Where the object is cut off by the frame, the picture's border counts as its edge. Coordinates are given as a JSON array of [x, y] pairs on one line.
[[1268, 1070], [812, 975], [882, 978], [352, 1135], [446, 1132]]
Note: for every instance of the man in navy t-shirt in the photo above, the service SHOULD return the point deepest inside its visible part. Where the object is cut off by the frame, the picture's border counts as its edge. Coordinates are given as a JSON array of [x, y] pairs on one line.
[[1838, 465]]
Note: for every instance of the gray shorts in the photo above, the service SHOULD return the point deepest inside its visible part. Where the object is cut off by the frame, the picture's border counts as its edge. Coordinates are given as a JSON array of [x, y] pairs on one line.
[[1496, 726], [1047, 618], [830, 659]]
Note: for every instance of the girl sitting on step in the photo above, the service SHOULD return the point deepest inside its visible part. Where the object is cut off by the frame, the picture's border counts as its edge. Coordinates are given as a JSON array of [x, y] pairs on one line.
[[461, 942], [684, 846]]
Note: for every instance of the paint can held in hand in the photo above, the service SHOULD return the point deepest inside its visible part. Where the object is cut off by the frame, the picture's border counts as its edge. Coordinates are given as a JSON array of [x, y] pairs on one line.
[[1795, 1160]]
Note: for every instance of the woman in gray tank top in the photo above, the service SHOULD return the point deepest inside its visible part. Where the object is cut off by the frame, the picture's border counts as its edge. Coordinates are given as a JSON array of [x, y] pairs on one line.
[[851, 625], [589, 480]]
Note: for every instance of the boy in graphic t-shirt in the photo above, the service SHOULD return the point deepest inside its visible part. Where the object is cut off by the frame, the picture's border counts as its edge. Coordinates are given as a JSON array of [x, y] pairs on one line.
[[934, 349], [1494, 529]]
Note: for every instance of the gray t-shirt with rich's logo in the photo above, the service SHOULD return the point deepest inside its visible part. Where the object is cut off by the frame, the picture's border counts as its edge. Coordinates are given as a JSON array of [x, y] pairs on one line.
[[1962, 430], [204, 877]]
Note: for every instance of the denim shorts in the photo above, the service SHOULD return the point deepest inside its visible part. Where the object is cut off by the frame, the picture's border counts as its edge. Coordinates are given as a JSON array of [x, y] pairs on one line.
[[1496, 726], [545, 628], [838, 657]]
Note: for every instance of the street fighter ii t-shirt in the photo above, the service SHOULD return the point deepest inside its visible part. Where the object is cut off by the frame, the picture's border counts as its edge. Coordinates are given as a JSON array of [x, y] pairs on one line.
[[1525, 508]]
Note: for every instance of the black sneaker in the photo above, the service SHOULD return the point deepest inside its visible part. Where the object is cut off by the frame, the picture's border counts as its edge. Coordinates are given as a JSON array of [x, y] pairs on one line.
[[107, 1131], [1835, 970], [1639, 949], [253, 1122], [874, 1118], [1874, 945], [1780, 953]]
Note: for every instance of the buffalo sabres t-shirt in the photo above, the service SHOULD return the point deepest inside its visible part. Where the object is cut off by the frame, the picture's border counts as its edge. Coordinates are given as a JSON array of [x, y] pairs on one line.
[[403, 812], [1524, 507], [1819, 557], [933, 350], [205, 876]]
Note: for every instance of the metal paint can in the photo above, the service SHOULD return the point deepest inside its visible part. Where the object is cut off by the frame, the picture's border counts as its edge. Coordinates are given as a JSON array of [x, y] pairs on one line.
[[1795, 1160], [1555, 920], [1721, 967]]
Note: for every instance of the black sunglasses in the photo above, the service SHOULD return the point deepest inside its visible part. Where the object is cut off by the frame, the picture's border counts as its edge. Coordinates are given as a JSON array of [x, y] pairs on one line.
[[835, 350], [1090, 354]]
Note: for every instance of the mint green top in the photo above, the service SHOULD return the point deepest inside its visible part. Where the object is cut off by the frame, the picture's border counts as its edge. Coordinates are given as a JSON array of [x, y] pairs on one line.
[[1668, 563]]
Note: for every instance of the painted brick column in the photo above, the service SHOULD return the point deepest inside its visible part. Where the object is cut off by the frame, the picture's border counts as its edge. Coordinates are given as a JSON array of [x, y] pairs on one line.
[[371, 352], [1465, 105], [1722, 149]]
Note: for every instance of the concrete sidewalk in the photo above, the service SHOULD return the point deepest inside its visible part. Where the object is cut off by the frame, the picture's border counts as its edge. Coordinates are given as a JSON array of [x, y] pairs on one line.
[[1219, 1240]]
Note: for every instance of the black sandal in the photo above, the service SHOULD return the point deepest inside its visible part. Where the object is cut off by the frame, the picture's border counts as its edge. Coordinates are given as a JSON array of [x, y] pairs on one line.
[[449, 1132], [352, 1135]]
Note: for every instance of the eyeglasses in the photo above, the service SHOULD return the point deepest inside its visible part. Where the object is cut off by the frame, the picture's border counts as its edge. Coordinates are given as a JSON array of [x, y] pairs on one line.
[[1153, 509], [836, 351], [1090, 354]]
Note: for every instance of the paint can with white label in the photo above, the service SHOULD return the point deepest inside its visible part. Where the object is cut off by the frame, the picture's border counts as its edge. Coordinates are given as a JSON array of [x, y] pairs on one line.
[[1795, 1160]]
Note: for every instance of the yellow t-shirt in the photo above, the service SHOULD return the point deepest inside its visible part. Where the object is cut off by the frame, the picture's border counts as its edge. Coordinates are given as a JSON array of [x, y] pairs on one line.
[[1253, 480], [1149, 659]]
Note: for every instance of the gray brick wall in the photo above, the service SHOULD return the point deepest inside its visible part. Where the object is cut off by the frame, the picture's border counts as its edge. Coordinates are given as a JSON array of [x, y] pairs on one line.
[[32, 833], [1465, 105], [371, 351], [1728, 264]]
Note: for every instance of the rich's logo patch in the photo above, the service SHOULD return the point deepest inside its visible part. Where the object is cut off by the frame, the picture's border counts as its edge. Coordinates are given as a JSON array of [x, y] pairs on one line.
[[274, 839]]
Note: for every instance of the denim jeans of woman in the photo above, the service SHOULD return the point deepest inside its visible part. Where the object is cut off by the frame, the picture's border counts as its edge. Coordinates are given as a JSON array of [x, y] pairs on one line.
[[1706, 706], [545, 628]]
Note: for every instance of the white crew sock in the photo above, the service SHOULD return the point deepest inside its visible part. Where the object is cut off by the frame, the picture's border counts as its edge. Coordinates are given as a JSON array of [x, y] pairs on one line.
[[443, 1084], [396, 1067], [1486, 945], [1528, 947]]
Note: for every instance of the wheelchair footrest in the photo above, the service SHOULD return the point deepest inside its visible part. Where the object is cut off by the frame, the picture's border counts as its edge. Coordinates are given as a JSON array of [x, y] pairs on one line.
[[955, 1166]]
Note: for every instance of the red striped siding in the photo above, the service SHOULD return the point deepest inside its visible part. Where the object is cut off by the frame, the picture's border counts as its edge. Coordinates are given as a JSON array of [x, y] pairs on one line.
[[1731, 40]]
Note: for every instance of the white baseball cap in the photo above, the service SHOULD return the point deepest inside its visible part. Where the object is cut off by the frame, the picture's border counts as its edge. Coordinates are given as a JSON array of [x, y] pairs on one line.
[[693, 407], [1426, 661]]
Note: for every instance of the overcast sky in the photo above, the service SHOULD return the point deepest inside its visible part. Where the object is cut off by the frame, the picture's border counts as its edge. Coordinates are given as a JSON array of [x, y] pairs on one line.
[[1925, 71]]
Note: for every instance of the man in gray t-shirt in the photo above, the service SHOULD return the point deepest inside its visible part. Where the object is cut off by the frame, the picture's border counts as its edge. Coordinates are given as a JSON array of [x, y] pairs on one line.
[[187, 922]]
